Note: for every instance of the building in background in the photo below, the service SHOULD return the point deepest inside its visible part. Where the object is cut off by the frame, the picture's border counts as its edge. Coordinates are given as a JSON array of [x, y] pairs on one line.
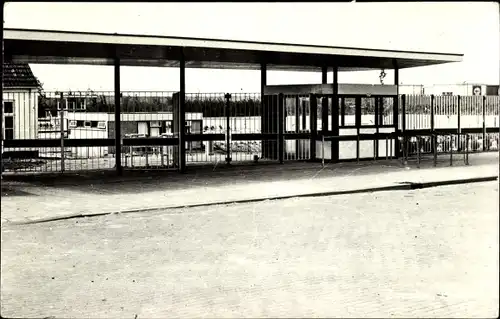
[[20, 102], [450, 89]]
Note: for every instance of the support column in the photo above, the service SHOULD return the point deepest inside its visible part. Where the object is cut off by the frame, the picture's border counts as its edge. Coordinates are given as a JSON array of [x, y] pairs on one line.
[[265, 121], [313, 123], [335, 115], [1, 94], [324, 75], [118, 144], [263, 82], [459, 128], [397, 150], [182, 113], [281, 127], [483, 107], [297, 126]]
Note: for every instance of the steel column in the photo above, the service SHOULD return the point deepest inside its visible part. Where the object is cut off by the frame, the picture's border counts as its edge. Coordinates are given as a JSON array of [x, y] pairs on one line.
[[263, 117], [433, 107], [182, 113], [297, 125], [263, 82], [324, 75], [484, 123], [335, 116], [61, 130], [118, 143], [1, 94], [459, 129], [313, 123], [281, 127], [227, 96], [396, 109], [358, 123], [378, 120], [403, 128]]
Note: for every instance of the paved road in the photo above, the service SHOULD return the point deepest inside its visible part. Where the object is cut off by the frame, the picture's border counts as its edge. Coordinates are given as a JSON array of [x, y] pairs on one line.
[[424, 253]]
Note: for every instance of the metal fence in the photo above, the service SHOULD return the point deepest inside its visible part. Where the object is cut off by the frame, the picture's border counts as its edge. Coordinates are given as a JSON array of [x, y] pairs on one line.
[[448, 117], [75, 131]]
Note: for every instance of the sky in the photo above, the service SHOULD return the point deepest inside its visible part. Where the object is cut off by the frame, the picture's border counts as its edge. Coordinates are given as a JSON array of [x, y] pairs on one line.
[[470, 28]]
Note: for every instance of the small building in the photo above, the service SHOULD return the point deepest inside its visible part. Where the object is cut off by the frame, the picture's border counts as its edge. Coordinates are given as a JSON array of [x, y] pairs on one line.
[[97, 125], [20, 102], [450, 89]]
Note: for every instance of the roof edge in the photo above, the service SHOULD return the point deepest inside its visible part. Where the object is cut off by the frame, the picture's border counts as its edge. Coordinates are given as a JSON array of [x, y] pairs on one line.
[[232, 41]]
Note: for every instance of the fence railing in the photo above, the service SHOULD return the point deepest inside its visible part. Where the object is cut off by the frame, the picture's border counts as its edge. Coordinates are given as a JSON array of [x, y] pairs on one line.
[[50, 131]]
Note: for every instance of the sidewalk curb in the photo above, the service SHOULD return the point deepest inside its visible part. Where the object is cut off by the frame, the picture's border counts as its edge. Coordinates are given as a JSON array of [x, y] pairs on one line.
[[401, 186]]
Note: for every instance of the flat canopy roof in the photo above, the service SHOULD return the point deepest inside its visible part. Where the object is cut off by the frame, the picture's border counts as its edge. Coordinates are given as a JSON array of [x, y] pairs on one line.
[[69, 47]]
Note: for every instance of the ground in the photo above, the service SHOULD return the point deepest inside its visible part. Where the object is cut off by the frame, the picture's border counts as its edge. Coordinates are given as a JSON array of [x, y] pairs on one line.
[[423, 253]]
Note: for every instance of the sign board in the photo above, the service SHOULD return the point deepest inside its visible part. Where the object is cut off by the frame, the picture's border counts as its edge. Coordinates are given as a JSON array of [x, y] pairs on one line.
[[476, 90]]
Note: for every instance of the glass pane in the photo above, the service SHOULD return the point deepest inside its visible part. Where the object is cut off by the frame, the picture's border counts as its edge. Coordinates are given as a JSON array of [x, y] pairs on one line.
[[319, 113], [387, 111], [367, 111], [9, 134], [9, 122], [8, 107], [350, 111]]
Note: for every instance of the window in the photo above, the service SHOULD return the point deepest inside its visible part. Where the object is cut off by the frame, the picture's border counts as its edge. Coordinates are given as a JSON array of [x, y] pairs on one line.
[[386, 109], [166, 128], [9, 127], [367, 111], [75, 103], [8, 120], [155, 124], [348, 112], [101, 125], [8, 107], [72, 123], [87, 124]]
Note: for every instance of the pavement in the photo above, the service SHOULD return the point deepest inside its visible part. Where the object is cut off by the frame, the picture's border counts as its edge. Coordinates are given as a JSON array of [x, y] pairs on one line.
[[426, 253], [38, 199]]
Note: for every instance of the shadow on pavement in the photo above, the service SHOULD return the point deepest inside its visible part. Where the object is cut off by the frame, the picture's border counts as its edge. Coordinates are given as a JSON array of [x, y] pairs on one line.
[[13, 191], [134, 182]]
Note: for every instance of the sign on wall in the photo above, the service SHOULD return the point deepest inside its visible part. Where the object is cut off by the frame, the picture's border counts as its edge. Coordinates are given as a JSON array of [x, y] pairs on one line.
[[476, 90]]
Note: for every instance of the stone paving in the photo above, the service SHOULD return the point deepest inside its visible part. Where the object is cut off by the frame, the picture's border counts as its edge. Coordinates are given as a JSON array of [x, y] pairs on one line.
[[36, 200]]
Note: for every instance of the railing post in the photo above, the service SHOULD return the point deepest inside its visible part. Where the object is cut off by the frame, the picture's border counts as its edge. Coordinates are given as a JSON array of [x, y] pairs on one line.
[[403, 129], [387, 148], [61, 129], [281, 127], [117, 95], [484, 123], [390, 147], [323, 150], [433, 113], [459, 129], [434, 148], [228, 129], [357, 147], [467, 137], [451, 149], [418, 151], [297, 126], [313, 123]]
